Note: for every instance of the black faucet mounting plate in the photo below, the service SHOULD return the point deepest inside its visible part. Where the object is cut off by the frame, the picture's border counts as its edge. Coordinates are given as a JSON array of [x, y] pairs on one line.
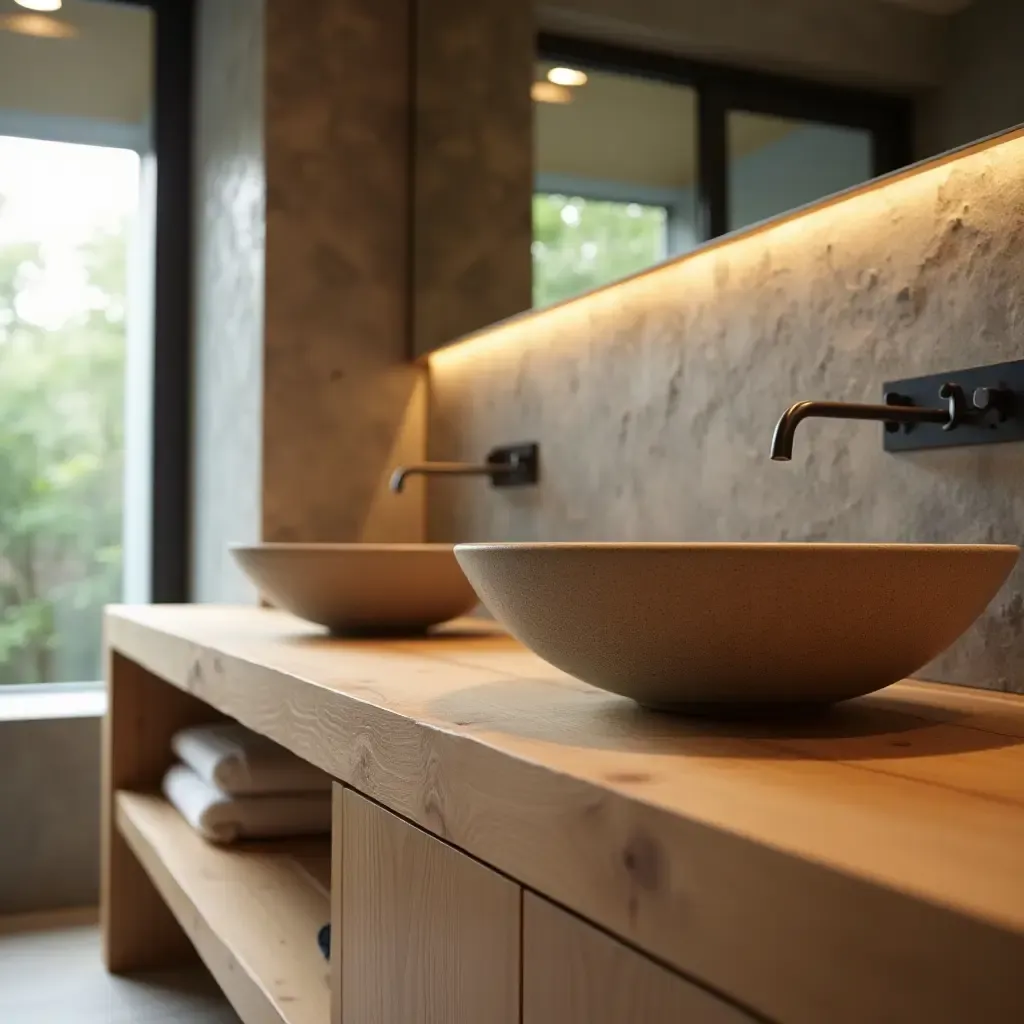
[[525, 460], [1003, 421]]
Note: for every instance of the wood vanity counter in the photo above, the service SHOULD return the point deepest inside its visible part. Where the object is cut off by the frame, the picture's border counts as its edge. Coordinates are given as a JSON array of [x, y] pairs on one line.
[[577, 860]]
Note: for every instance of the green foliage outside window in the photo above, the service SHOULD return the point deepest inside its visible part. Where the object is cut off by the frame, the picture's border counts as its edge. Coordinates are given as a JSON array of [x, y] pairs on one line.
[[61, 467], [579, 244]]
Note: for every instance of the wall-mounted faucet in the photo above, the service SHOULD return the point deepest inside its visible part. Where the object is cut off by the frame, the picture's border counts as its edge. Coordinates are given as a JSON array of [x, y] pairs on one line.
[[894, 413], [992, 413], [514, 465]]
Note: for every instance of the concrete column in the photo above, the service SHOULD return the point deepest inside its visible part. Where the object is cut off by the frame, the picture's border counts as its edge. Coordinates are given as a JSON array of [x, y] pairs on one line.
[[363, 181], [341, 404], [229, 189], [473, 166]]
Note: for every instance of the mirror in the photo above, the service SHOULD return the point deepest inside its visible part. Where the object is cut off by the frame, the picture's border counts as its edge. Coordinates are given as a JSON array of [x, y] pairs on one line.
[[639, 156], [615, 173], [656, 134]]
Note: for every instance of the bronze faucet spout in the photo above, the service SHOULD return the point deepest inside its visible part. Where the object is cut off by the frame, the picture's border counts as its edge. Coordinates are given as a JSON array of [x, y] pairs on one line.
[[509, 465], [782, 440], [490, 469]]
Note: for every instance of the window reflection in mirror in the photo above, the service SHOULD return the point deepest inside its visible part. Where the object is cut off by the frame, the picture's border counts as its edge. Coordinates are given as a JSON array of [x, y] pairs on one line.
[[616, 167], [641, 156]]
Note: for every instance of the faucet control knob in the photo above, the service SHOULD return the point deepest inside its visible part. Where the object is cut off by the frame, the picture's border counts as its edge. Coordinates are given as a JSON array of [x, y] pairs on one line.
[[994, 400], [957, 401]]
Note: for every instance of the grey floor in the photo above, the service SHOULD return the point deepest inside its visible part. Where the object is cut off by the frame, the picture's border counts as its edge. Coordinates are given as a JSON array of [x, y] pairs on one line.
[[55, 977]]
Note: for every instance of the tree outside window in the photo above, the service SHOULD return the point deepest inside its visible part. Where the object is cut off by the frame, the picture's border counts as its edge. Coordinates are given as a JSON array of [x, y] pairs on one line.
[[579, 244], [65, 214]]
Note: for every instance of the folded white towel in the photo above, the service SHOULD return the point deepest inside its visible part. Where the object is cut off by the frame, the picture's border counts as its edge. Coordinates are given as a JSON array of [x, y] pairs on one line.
[[223, 819], [239, 761]]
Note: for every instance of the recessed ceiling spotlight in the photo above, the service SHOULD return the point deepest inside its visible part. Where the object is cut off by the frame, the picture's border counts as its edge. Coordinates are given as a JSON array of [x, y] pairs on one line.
[[567, 76], [40, 5]]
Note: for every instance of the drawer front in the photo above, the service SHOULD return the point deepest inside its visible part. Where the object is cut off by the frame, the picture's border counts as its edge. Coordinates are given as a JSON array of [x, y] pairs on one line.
[[428, 934], [575, 974]]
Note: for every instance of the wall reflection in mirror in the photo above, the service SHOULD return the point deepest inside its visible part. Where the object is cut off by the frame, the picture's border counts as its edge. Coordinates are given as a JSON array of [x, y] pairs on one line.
[[777, 164], [641, 157]]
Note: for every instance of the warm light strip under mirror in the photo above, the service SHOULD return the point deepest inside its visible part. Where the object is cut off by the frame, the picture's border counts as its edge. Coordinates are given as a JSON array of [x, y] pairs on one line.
[[843, 215]]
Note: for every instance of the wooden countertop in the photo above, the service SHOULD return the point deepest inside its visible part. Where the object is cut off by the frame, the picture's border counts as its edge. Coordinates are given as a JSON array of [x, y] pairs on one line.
[[881, 844]]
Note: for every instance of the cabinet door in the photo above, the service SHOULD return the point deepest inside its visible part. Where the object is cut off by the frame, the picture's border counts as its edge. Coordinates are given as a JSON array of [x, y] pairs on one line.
[[575, 974], [429, 935]]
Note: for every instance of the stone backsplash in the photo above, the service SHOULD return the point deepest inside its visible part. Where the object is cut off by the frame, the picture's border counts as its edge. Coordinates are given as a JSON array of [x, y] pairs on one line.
[[654, 399]]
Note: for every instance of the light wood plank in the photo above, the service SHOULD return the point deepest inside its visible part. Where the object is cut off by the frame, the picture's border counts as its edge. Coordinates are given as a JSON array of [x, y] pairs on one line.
[[143, 712], [575, 974], [337, 895], [252, 911], [906, 730], [789, 867], [428, 934]]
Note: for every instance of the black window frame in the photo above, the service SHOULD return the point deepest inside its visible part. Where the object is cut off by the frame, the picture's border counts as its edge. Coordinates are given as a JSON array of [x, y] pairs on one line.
[[721, 89], [171, 471]]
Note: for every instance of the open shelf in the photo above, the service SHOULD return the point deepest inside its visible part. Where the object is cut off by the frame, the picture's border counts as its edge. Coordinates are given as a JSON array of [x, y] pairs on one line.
[[252, 911]]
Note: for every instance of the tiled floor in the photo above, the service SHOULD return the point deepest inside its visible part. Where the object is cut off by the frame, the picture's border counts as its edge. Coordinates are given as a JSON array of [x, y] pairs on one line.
[[55, 977]]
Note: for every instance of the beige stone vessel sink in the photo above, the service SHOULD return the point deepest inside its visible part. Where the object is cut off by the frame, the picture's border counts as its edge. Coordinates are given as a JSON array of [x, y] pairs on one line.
[[361, 588], [707, 627]]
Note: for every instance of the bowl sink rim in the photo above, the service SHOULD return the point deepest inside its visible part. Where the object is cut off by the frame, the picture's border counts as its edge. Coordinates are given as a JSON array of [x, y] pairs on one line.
[[670, 546], [342, 547]]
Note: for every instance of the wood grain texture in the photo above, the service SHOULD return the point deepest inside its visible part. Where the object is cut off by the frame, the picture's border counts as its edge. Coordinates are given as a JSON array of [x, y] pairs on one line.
[[337, 895], [142, 714], [428, 934], [575, 974], [789, 864], [252, 911]]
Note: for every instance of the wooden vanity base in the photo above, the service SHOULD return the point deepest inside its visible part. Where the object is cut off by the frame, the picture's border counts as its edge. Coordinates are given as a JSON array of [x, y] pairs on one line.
[[512, 845]]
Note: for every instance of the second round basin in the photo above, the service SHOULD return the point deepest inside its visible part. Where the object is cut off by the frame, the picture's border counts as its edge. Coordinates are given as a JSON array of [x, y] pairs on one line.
[[701, 627], [360, 588]]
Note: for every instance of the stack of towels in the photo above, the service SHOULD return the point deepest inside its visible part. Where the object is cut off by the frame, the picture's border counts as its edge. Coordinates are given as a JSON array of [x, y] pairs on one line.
[[232, 783]]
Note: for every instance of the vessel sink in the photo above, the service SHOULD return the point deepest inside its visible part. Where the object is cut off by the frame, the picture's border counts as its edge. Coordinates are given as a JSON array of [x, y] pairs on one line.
[[360, 588], [710, 627]]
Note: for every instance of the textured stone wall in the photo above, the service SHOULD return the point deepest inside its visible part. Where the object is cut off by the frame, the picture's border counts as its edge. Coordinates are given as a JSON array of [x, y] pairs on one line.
[[228, 293], [363, 192], [341, 403], [50, 806], [654, 400], [304, 394], [473, 166]]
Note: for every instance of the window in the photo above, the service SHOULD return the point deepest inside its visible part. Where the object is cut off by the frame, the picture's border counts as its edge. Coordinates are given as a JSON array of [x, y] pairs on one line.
[[94, 311], [615, 178], [640, 156], [66, 220], [581, 243]]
